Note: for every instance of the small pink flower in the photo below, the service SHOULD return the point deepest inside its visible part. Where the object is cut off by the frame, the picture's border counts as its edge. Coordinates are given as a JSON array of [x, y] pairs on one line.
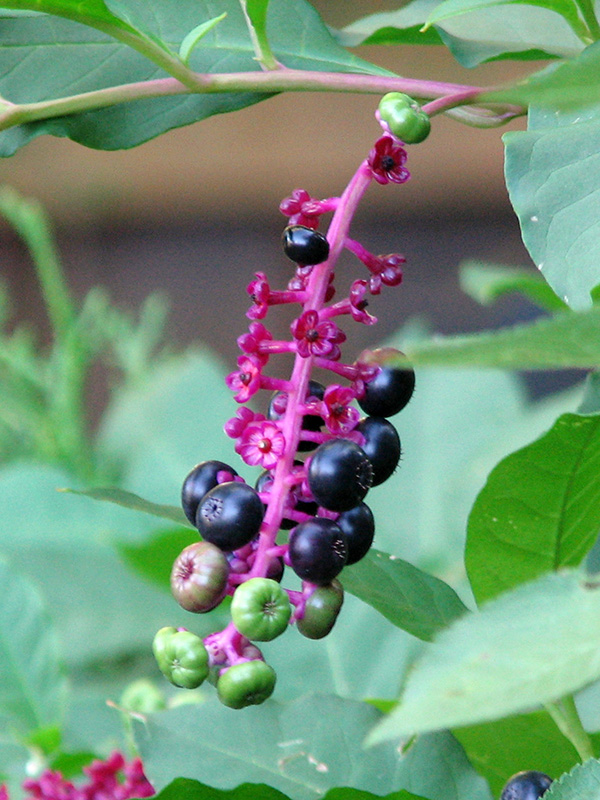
[[317, 338], [387, 270], [238, 424], [259, 291], [358, 303], [301, 208], [340, 417], [387, 160], [261, 444], [250, 343], [246, 381]]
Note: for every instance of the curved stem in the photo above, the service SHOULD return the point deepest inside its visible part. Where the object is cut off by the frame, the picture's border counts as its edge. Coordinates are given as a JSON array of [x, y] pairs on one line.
[[281, 80], [589, 15], [564, 713]]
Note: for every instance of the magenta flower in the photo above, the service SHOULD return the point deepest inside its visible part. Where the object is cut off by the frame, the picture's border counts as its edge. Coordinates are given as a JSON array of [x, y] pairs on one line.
[[246, 381], [358, 303], [261, 444], [317, 338], [301, 208], [238, 424], [387, 270], [113, 779], [250, 343], [387, 159], [259, 291], [340, 417]]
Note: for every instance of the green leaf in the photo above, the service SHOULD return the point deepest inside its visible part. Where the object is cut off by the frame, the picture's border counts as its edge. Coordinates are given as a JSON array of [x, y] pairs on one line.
[[568, 85], [409, 598], [51, 58], [32, 681], [514, 31], [403, 26], [302, 749], [153, 559], [185, 789], [582, 781], [66, 549], [487, 282], [552, 176], [539, 510], [196, 35], [455, 8], [566, 340], [129, 500], [529, 646], [499, 749]]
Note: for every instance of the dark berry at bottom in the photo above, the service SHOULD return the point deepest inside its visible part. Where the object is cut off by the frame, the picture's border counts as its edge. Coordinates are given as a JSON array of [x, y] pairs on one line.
[[530, 785]]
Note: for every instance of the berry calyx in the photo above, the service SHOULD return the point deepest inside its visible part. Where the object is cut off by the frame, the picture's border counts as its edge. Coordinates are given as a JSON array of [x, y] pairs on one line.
[[390, 389], [382, 446], [317, 550], [204, 477], [199, 577], [260, 609], [526, 785], [404, 118], [230, 515], [304, 245], [246, 684], [321, 611], [339, 474]]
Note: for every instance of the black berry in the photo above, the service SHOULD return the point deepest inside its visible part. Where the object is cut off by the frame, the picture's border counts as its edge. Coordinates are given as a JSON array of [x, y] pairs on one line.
[[304, 245], [388, 392], [339, 475], [530, 785], [230, 515], [358, 526], [317, 550], [201, 480], [382, 446]]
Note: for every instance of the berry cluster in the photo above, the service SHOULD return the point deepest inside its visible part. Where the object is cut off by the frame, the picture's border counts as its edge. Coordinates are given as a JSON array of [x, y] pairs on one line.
[[318, 453]]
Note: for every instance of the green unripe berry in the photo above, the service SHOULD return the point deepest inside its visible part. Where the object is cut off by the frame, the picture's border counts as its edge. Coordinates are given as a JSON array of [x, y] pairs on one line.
[[181, 657], [404, 117], [260, 609], [321, 611], [246, 684]]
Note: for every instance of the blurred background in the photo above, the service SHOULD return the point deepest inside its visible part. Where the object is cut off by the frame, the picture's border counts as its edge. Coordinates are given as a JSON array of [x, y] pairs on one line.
[[194, 213]]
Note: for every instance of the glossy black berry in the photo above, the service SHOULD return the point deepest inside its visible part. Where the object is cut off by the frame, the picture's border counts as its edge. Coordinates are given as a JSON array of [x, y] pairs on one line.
[[358, 525], [201, 480], [530, 785], [339, 474], [318, 550], [388, 392], [230, 515], [304, 245], [264, 483], [382, 446], [310, 422]]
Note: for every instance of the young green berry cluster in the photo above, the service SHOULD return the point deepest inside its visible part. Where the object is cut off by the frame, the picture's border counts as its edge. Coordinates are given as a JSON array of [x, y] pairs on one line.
[[318, 453]]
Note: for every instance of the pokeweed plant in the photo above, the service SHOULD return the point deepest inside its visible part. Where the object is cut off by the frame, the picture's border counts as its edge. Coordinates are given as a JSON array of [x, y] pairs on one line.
[[493, 702]]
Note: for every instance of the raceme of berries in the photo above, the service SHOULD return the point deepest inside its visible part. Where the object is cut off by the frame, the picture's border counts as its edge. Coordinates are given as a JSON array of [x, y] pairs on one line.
[[319, 446]]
